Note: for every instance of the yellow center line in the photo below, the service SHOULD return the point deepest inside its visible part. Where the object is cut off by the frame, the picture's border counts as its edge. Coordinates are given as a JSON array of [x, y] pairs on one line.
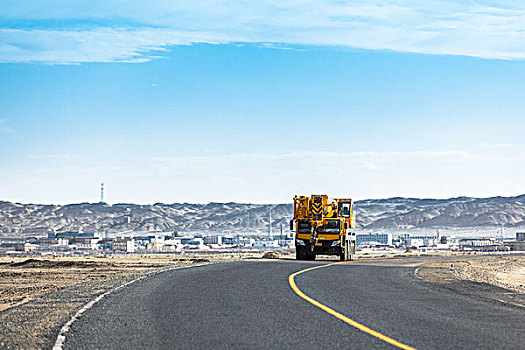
[[291, 280]]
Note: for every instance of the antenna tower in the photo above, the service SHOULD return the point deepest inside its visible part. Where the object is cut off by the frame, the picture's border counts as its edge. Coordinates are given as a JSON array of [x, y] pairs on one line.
[[102, 192], [270, 225]]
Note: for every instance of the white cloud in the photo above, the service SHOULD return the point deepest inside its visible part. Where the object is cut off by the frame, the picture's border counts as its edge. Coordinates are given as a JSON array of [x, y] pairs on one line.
[[88, 33], [98, 45], [269, 177]]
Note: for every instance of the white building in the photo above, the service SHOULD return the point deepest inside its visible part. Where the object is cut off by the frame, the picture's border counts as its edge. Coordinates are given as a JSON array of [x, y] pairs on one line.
[[230, 240], [156, 238], [247, 242], [88, 243], [266, 244], [124, 244], [373, 239], [477, 242], [208, 240], [195, 243], [172, 245], [25, 247], [420, 239], [286, 243]]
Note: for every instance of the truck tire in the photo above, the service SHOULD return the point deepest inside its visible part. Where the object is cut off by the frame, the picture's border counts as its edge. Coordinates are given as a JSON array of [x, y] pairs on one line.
[[299, 253], [308, 252]]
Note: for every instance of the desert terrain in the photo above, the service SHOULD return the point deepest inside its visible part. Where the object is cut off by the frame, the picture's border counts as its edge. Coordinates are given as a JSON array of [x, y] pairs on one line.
[[38, 295]]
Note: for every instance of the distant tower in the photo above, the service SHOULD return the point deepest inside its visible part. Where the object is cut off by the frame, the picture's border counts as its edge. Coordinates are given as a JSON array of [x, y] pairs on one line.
[[270, 225], [102, 192]]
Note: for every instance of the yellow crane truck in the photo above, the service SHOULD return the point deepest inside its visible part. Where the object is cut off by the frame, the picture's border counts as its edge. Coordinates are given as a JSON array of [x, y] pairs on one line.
[[321, 226]]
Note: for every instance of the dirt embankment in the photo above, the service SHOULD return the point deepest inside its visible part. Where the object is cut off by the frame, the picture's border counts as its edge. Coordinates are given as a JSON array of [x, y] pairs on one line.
[[505, 271], [39, 295], [25, 279], [495, 277]]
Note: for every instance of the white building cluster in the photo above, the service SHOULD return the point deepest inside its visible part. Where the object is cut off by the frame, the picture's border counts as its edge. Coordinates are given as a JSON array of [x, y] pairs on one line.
[[439, 242], [156, 243]]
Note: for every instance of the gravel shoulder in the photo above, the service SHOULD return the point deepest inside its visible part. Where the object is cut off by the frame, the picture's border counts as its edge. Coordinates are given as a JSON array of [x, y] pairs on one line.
[[39, 295]]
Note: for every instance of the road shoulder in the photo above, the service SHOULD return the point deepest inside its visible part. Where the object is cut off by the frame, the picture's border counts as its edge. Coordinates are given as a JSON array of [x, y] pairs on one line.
[[492, 278]]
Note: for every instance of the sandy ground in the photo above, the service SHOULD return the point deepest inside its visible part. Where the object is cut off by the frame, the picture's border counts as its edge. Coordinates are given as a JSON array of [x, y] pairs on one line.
[[38, 295], [492, 278], [505, 271]]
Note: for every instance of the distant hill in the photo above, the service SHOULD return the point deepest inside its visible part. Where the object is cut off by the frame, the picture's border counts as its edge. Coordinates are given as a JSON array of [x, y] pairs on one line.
[[393, 213], [435, 213]]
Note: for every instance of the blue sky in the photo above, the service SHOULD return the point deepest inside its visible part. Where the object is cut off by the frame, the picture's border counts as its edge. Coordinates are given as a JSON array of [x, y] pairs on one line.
[[231, 101]]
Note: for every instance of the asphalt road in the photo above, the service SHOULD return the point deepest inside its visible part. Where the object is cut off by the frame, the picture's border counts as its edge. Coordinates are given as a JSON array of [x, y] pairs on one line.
[[250, 305]]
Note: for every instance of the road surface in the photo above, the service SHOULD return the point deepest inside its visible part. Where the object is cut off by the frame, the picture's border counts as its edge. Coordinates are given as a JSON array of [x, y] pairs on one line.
[[250, 305]]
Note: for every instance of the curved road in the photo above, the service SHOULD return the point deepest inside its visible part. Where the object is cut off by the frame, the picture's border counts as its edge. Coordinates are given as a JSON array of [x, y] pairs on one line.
[[250, 304]]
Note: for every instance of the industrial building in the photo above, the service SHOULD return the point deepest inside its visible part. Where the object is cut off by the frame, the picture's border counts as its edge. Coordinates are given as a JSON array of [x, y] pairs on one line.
[[519, 243], [374, 239], [124, 244], [213, 240], [420, 240]]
